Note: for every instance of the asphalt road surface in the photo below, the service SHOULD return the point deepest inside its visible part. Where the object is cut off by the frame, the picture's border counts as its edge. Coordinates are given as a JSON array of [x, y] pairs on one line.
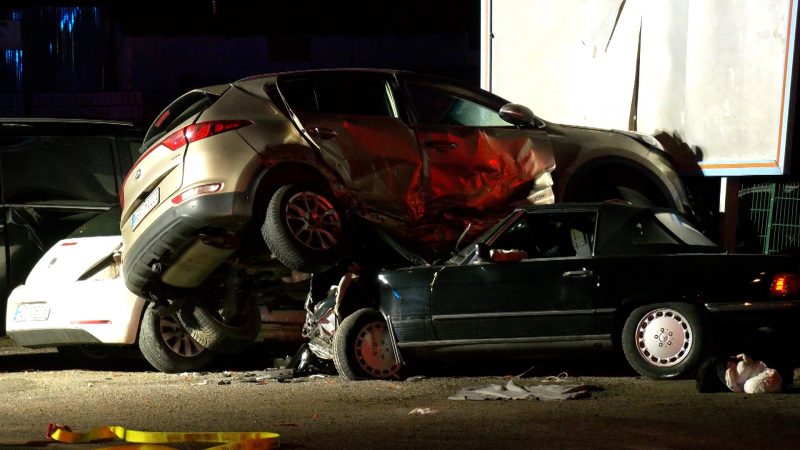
[[37, 387]]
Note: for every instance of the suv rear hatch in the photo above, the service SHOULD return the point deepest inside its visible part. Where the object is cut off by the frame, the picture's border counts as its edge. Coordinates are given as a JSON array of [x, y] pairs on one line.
[[162, 151]]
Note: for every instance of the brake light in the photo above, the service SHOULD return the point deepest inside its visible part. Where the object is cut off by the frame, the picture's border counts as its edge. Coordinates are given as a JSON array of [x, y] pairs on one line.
[[202, 130], [186, 135], [784, 284]]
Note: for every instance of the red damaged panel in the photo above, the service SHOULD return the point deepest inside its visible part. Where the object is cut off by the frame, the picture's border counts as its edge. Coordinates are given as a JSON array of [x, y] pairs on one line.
[[425, 187], [482, 169], [377, 159]]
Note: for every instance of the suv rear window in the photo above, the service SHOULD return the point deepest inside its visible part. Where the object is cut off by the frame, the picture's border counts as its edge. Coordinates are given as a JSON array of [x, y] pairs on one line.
[[177, 112]]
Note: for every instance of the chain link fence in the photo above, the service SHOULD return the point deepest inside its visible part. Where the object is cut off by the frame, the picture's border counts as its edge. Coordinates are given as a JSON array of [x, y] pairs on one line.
[[770, 213]]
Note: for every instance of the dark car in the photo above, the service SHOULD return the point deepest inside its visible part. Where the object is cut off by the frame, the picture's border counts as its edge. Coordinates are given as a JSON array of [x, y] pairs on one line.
[[55, 175], [578, 276], [287, 168]]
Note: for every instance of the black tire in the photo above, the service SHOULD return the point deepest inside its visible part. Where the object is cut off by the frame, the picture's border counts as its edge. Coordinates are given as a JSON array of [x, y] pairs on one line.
[[168, 347], [305, 228], [364, 329], [664, 340], [209, 329]]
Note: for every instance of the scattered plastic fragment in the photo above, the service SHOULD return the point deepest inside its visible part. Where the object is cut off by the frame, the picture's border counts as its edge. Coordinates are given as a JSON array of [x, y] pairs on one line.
[[422, 411], [560, 378], [416, 378]]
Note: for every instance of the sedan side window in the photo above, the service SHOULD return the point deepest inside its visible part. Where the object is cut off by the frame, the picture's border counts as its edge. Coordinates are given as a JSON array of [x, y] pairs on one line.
[[550, 235]]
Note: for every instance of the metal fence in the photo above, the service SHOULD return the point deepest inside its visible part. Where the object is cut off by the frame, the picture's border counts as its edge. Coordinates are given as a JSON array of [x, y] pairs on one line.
[[771, 211]]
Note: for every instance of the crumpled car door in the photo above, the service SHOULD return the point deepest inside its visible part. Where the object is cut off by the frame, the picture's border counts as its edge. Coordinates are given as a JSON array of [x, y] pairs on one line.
[[473, 159], [354, 123], [480, 168]]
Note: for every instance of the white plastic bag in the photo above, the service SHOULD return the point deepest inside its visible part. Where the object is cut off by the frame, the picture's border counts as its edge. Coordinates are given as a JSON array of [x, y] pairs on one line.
[[751, 377]]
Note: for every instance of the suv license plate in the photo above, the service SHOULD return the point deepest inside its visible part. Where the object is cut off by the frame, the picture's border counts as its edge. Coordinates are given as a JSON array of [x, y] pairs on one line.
[[147, 205], [28, 312]]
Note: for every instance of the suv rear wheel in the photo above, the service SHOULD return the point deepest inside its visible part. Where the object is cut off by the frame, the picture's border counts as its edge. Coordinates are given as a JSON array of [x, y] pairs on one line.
[[304, 228]]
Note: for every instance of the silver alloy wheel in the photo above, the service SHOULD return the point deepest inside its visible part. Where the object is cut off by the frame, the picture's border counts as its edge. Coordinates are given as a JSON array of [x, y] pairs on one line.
[[664, 337], [374, 351], [177, 339], [313, 220]]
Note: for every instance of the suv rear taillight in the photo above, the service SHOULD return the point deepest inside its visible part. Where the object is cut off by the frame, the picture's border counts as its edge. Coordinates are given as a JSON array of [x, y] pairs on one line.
[[186, 135], [784, 284], [202, 130]]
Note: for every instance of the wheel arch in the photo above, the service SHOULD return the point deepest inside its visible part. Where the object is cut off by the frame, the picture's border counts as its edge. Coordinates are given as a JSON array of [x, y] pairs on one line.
[[585, 178], [272, 177]]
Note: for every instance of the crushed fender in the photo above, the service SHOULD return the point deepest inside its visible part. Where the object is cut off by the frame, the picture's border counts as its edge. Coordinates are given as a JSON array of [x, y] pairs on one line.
[[246, 440]]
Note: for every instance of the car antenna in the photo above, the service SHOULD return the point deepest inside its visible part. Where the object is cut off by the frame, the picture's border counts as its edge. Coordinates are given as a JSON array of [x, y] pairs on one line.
[[463, 234]]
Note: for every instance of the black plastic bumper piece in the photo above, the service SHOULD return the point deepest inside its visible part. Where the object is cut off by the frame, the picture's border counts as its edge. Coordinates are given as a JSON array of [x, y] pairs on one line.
[[171, 233]]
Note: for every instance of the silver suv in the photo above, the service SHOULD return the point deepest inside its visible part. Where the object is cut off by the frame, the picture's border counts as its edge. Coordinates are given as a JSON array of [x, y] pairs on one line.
[[240, 184]]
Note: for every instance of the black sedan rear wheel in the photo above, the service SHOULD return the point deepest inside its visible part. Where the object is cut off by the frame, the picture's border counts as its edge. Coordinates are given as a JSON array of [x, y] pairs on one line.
[[362, 347], [305, 228], [167, 346], [664, 340]]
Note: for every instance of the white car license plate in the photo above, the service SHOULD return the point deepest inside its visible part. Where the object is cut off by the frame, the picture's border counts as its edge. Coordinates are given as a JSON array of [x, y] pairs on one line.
[[147, 205], [28, 312]]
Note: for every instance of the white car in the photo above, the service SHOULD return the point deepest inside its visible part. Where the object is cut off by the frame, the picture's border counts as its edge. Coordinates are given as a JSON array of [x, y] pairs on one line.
[[75, 299]]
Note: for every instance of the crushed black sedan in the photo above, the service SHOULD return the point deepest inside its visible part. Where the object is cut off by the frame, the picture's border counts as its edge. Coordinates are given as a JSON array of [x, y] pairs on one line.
[[577, 276]]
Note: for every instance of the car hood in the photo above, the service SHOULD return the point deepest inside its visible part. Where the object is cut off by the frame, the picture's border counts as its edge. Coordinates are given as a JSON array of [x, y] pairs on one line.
[[68, 259]]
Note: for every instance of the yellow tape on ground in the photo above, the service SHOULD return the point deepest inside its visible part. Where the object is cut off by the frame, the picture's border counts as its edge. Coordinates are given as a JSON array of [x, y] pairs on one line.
[[246, 440]]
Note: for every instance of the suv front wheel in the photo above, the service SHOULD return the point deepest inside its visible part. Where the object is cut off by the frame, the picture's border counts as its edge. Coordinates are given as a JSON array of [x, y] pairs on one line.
[[304, 228]]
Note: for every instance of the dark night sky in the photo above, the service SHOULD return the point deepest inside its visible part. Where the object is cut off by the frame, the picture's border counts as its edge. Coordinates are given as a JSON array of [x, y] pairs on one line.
[[441, 37], [249, 17]]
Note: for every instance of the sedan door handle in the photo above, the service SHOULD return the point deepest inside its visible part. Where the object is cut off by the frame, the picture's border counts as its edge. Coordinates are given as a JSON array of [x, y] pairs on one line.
[[583, 273], [322, 133], [441, 145]]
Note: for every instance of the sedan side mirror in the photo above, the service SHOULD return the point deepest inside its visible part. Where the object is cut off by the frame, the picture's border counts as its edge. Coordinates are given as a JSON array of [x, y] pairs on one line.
[[515, 114]]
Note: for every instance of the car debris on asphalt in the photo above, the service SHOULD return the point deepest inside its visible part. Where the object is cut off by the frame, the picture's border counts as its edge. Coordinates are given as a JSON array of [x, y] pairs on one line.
[[511, 391]]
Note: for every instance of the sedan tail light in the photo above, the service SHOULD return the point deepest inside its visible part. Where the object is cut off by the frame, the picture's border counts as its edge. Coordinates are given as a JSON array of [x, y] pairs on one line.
[[784, 284]]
